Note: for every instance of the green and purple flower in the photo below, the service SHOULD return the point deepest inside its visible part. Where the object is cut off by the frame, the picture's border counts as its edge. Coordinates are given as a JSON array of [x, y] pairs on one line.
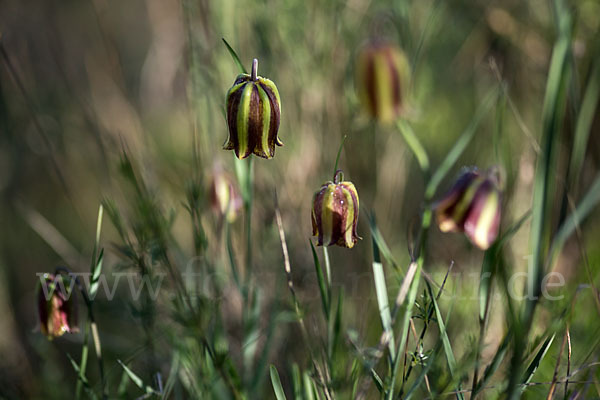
[[382, 76], [253, 116], [472, 206], [335, 213]]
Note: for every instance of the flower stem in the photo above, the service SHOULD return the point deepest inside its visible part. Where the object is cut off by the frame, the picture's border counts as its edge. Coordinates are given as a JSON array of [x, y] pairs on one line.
[[254, 72]]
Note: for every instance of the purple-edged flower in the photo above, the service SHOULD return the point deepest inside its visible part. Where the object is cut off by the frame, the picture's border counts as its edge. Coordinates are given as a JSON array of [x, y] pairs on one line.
[[472, 206], [335, 213], [57, 307]]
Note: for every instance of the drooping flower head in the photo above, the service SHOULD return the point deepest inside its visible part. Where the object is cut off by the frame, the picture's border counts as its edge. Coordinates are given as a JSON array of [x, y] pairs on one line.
[[253, 115], [472, 206], [335, 213], [57, 307], [225, 197], [382, 79]]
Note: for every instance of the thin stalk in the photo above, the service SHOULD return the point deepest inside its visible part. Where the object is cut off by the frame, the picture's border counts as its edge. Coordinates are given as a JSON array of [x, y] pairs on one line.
[[482, 325], [248, 214], [83, 363], [425, 225], [246, 292], [288, 273], [425, 326], [327, 271]]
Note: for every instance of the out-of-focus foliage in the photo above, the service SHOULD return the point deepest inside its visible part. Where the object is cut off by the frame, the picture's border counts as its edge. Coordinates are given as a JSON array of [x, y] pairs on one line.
[[122, 103]]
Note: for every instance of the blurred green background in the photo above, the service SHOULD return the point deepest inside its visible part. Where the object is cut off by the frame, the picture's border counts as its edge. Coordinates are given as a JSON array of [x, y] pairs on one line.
[[150, 77]]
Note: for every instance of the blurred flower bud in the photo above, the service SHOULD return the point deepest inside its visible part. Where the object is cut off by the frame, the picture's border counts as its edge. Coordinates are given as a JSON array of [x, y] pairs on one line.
[[253, 114], [472, 206], [225, 197], [57, 307], [382, 80], [335, 213]]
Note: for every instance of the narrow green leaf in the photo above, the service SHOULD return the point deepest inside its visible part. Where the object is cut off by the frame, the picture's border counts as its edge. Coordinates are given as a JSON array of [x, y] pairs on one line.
[[381, 244], [276, 382], [339, 153], [377, 380], [296, 382], [586, 115], [535, 363], [443, 335], [405, 323], [235, 57], [552, 117], [490, 260], [321, 282], [136, 379], [76, 368], [495, 364], [337, 324], [309, 387], [414, 144], [587, 204], [382, 299], [461, 144]]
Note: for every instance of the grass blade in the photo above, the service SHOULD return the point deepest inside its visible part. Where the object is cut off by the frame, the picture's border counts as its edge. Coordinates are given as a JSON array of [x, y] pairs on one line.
[[444, 336], [136, 379], [415, 145], [587, 204], [381, 244], [461, 144], [337, 324], [583, 125], [276, 382], [489, 261], [404, 326], [535, 363], [235, 57], [309, 387], [494, 365], [382, 299]]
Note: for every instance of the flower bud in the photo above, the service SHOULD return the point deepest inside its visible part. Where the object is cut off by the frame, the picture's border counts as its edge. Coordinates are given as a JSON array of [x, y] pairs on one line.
[[225, 197], [472, 206], [335, 213], [57, 308], [382, 77], [253, 114]]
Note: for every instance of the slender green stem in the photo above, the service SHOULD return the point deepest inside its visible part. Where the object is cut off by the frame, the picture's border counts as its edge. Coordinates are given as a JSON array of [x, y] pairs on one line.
[[425, 225], [83, 363], [327, 270], [247, 287], [330, 321], [249, 195]]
